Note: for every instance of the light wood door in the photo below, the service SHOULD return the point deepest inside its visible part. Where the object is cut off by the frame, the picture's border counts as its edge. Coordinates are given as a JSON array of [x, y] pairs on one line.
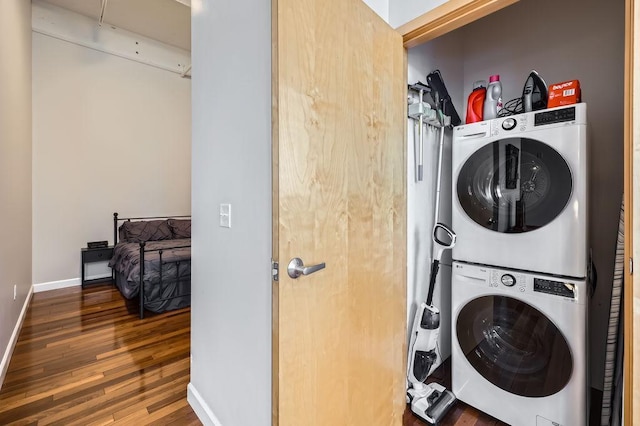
[[631, 187], [339, 182]]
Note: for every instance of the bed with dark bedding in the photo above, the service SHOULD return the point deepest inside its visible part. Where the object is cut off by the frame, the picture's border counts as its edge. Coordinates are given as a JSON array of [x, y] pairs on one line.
[[152, 261]]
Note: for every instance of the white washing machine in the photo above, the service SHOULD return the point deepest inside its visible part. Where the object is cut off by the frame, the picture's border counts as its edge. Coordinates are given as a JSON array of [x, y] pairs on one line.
[[519, 345], [520, 191]]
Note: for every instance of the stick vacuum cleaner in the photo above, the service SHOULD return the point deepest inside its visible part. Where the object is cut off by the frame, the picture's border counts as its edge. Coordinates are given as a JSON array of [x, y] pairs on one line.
[[428, 401], [431, 401]]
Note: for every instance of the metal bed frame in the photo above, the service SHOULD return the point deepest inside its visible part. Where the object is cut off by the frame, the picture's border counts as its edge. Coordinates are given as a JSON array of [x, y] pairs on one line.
[[144, 250]]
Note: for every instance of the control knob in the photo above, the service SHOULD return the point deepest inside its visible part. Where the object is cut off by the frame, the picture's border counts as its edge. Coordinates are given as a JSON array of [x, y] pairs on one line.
[[509, 123], [508, 280]]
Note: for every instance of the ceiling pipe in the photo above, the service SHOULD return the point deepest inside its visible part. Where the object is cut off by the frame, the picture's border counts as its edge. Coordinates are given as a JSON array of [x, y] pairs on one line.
[[185, 72], [103, 8]]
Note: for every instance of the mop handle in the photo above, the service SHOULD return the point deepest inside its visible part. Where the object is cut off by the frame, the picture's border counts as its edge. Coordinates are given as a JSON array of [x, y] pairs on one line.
[[439, 172], [441, 246], [421, 138]]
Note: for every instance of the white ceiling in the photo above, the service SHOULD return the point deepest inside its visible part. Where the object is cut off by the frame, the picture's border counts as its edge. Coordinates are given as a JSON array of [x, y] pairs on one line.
[[168, 21]]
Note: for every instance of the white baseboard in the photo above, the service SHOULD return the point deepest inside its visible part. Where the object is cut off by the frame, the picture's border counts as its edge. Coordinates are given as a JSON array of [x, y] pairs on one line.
[[4, 364], [200, 407], [55, 285]]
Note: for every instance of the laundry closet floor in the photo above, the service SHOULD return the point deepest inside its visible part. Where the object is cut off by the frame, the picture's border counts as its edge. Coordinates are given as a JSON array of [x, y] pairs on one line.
[[463, 414], [459, 414]]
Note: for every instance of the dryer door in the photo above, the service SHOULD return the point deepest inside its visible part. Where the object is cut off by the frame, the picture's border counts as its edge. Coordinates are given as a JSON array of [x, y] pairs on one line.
[[514, 346], [514, 185]]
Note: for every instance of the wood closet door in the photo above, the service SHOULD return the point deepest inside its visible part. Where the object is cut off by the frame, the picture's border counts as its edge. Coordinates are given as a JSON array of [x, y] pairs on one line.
[[339, 114]]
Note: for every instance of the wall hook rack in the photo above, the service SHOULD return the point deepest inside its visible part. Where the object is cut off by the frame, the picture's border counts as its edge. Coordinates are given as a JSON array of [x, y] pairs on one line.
[[422, 113]]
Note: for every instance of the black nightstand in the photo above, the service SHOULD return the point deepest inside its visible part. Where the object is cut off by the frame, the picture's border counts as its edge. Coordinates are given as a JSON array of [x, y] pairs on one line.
[[88, 255]]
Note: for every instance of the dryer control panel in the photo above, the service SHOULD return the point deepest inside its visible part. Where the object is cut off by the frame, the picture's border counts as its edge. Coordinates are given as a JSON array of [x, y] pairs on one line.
[[555, 116], [554, 287]]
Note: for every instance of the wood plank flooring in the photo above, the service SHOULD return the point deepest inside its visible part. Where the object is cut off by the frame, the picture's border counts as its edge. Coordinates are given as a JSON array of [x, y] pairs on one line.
[[84, 357]]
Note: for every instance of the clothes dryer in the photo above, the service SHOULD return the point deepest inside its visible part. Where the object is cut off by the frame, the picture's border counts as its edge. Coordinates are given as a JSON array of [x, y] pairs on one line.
[[520, 191], [519, 345]]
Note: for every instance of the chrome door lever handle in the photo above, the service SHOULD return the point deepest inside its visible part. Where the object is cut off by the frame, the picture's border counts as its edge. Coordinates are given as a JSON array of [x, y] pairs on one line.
[[296, 268]]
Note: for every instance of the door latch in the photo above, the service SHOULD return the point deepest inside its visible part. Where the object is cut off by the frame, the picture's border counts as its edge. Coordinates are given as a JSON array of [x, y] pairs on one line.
[[275, 270], [296, 268]]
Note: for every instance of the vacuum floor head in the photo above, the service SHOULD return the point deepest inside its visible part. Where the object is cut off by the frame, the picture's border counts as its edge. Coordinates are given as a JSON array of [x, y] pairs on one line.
[[435, 405]]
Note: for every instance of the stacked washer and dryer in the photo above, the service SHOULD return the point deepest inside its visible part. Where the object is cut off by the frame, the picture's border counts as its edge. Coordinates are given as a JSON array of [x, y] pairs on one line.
[[519, 280]]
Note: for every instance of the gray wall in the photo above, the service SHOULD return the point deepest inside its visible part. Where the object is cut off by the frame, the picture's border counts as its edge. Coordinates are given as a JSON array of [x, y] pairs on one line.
[[565, 40], [15, 163], [403, 11], [231, 163]]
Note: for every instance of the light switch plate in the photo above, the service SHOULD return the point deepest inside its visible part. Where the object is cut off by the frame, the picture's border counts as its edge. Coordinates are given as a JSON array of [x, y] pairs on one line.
[[225, 215]]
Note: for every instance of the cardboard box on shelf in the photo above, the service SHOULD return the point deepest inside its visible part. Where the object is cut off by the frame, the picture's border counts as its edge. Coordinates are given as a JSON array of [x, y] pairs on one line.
[[565, 93]]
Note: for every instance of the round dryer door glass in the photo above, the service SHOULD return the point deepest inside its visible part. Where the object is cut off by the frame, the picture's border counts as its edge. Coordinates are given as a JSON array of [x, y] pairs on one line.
[[514, 346], [514, 185]]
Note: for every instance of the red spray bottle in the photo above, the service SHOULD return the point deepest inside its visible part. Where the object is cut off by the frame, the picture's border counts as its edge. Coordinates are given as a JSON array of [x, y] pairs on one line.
[[475, 103]]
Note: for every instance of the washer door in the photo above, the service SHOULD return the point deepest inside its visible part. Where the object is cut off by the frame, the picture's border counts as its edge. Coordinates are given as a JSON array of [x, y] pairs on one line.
[[514, 185], [514, 346]]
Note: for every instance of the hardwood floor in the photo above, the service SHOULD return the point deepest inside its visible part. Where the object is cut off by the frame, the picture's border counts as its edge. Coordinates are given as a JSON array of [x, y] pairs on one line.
[[459, 414], [463, 414], [84, 357]]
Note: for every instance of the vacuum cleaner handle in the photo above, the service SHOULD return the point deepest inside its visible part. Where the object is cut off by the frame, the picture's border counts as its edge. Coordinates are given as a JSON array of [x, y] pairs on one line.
[[444, 238]]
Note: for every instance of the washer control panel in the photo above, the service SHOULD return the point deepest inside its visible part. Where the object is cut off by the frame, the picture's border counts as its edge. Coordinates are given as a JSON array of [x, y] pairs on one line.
[[556, 288], [512, 280]]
